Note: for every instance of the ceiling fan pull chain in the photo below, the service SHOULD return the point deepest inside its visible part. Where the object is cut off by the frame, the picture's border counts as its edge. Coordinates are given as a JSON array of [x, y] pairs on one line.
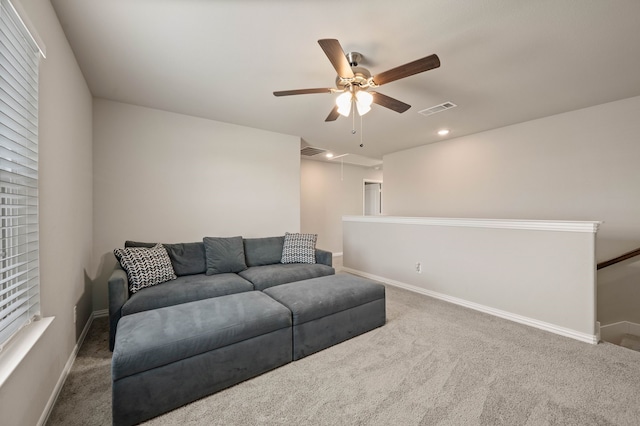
[[361, 131], [353, 119]]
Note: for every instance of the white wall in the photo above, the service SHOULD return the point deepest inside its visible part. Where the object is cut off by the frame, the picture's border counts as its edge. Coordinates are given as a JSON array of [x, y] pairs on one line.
[[166, 177], [537, 273], [581, 165], [330, 191], [65, 154]]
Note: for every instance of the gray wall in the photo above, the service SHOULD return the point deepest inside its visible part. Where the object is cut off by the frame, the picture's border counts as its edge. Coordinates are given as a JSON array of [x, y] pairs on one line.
[[165, 177], [65, 152], [581, 165], [540, 274], [330, 191]]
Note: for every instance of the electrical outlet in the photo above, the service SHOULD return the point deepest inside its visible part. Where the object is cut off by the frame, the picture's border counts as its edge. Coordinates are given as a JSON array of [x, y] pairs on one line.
[[75, 314], [418, 267]]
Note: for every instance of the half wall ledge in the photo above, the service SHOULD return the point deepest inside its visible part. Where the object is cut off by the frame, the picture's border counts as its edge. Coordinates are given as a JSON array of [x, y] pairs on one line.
[[539, 273], [533, 225]]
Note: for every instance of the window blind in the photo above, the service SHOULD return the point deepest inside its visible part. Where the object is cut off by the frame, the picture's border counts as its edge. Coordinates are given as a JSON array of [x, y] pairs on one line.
[[19, 265]]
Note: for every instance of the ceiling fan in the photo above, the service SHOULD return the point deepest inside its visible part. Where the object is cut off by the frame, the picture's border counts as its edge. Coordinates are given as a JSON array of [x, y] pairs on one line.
[[354, 81]]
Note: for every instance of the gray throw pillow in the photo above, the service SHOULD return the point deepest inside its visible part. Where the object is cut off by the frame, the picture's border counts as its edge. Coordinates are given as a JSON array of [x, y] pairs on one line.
[[186, 258], [224, 255], [263, 251], [145, 267], [129, 243], [299, 248]]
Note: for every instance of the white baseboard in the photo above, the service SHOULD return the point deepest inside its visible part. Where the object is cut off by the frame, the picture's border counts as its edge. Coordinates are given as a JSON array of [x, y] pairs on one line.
[[613, 332], [583, 337], [67, 367]]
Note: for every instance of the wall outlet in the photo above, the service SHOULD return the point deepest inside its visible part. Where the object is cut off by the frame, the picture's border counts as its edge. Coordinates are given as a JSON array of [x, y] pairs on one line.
[[418, 267], [75, 314]]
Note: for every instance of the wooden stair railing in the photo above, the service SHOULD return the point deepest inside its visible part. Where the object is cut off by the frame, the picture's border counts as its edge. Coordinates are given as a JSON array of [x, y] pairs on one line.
[[619, 259]]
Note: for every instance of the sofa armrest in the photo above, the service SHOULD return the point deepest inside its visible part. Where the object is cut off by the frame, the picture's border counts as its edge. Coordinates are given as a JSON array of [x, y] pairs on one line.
[[324, 257], [118, 287]]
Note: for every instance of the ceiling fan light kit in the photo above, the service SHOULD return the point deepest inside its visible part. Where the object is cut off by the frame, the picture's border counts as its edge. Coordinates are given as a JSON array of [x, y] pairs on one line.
[[360, 98], [353, 81]]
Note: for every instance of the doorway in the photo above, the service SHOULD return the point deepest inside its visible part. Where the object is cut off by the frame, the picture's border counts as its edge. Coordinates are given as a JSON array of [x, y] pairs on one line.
[[372, 198]]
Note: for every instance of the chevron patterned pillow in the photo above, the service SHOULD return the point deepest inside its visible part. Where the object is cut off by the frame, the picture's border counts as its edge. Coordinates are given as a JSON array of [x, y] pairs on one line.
[[145, 267], [299, 248]]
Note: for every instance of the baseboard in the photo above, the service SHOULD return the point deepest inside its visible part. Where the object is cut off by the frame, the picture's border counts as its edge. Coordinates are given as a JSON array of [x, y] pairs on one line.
[[101, 313], [613, 332], [67, 368], [552, 328]]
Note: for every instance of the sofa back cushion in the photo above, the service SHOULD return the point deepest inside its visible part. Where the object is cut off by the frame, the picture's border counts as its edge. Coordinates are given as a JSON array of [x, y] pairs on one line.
[[263, 251], [186, 258], [224, 255]]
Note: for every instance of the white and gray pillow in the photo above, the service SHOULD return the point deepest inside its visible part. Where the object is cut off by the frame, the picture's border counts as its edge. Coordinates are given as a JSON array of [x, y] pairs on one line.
[[145, 267], [299, 248]]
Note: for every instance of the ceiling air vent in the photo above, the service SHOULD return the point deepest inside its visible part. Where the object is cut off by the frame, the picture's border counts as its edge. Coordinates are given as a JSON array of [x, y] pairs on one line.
[[310, 151], [438, 108]]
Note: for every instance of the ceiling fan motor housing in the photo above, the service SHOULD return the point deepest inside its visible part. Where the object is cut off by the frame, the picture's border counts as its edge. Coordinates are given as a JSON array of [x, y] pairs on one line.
[[362, 76]]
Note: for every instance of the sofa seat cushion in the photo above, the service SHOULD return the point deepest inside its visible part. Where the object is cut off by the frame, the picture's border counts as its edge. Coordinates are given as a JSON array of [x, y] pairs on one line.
[[313, 299], [266, 276], [329, 310], [151, 339], [185, 289]]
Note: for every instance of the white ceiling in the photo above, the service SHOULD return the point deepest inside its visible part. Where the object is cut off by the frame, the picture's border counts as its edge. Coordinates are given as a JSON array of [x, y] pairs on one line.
[[503, 61]]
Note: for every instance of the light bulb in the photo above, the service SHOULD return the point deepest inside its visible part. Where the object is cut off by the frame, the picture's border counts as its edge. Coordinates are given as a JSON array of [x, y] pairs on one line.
[[344, 104]]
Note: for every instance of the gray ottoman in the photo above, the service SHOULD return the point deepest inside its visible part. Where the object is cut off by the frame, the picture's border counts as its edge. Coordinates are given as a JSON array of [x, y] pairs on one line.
[[167, 357], [331, 309]]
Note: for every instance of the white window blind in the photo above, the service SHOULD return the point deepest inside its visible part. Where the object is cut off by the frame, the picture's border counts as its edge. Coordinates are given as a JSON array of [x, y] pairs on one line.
[[19, 266]]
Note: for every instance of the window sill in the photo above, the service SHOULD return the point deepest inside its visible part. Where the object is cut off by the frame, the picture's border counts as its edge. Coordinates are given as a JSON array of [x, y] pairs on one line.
[[20, 345]]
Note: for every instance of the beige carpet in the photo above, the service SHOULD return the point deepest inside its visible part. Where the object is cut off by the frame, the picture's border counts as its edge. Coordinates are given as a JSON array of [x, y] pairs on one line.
[[433, 363]]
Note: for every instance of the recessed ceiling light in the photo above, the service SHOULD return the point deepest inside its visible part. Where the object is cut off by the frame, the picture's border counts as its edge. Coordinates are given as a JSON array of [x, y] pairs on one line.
[[329, 155], [443, 132]]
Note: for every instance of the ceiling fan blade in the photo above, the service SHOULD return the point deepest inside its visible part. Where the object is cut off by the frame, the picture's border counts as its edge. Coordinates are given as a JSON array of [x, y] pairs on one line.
[[302, 92], [336, 55], [333, 115], [389, 102], [415, 67]]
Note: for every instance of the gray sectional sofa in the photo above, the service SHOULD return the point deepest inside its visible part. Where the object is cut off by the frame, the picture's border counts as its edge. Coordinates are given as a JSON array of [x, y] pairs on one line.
[[230, 310], [262, 258]]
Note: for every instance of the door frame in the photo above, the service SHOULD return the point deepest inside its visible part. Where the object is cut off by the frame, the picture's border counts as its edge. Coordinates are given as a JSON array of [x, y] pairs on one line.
[[364, 190]]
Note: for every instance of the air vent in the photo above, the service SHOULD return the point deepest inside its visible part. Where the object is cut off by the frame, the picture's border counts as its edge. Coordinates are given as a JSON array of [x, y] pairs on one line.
[[438, 108], [310, 151]]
